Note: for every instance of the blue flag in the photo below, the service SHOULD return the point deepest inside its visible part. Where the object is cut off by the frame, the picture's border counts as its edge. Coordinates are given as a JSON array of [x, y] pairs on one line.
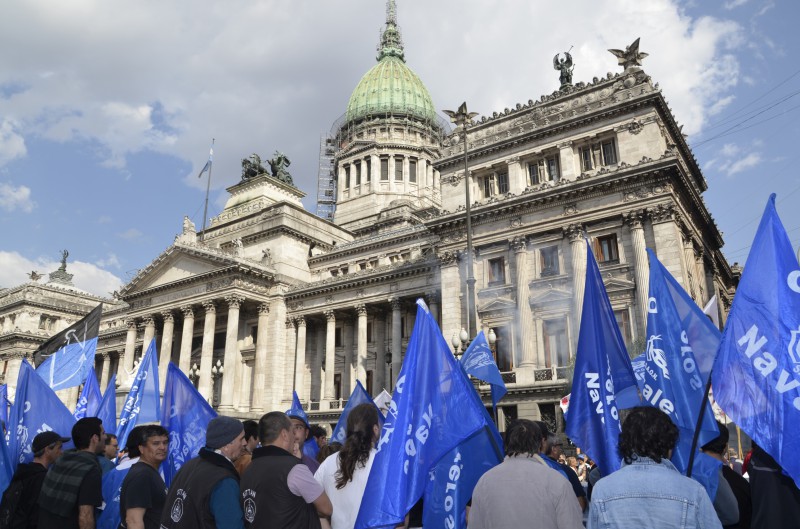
[[109, 517], [680, 339], [478, 361], [638, 365], [65, 359], [4, 404], [310, 447], [454, 478], [756, 376], [359, 396], [185, 415], [602, 374], [142, 403], [89, 400], [36, 409], [427, 418], [6, 470], [107, 410], [207, 166]]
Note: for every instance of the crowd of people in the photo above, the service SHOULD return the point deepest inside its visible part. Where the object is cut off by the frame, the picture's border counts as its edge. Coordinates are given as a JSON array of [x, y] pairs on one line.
[[254, 475]]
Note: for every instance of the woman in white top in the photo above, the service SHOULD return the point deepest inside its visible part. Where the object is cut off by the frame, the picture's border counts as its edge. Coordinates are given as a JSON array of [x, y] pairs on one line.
[[344, 474]]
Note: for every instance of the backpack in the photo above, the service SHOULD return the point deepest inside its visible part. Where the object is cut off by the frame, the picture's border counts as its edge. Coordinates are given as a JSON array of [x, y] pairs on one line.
[[9, 506]]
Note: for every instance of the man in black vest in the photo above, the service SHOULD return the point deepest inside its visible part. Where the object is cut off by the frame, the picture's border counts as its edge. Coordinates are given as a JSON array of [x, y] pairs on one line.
[[205, 492], [278, 490]]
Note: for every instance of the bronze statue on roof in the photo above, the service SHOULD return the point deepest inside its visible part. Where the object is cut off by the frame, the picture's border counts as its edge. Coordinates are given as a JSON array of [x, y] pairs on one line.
[[278, 165], [564, 65], [631, 58]]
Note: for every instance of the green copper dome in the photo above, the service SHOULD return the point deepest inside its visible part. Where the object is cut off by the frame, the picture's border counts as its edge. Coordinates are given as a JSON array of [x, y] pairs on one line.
[[390, 87]]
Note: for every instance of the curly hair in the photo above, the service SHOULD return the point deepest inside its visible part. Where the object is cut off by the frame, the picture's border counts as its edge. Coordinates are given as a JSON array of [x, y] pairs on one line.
[[523, 437], [358, 443], [647, 432]]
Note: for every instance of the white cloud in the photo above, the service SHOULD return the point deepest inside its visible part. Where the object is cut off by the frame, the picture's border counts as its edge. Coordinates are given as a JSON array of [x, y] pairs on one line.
[[729, 149], [139, 76], [129, 234], [13, 198], [14, 270], [111, 261], [720, 105], [733, 4], [12, 144], [742, 164]]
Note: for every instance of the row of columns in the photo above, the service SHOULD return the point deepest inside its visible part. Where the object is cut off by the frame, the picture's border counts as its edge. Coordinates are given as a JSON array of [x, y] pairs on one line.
[[426, 175]]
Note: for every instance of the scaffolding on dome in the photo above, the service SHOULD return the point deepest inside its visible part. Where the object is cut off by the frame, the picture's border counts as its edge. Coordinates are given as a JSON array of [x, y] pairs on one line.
[[326, 182]]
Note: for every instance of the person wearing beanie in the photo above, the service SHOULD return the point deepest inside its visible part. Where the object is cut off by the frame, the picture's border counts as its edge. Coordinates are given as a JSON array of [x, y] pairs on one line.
[[204, 493]]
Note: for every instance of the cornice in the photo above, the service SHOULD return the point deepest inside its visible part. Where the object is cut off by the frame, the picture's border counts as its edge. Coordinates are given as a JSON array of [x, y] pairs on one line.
[[422, 265]]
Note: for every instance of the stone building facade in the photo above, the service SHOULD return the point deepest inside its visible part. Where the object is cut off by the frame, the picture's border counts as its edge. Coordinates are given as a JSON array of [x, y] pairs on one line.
[[273, 298]]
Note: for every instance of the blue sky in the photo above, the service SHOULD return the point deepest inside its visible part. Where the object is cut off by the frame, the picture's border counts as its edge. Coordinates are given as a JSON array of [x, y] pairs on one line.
[[107, 108]]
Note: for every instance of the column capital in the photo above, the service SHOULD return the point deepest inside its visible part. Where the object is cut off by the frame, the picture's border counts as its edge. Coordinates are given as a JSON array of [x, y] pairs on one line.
[[168, 315], [395, 303], [513, 160], [574, 232], [361, 309], [210, 306], [234, 301], [300, 321], [447, 257], [289, 323], [433, 296], [131, 323], [263, 308], [635, 219], [148, 320], [330, 315], [188, 311], [519, 244], [662, 213]]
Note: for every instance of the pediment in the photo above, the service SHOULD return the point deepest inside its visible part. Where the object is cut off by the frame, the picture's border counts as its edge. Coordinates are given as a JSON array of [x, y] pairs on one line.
[[498, 305], [177, 263], [551, 295], [616, 284]]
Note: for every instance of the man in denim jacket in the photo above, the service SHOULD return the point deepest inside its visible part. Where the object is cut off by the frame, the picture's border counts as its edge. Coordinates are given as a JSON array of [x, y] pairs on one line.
[[648, 491]]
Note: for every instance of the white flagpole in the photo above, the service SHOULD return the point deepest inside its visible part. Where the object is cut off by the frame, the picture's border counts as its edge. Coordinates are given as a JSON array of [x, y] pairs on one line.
[[208, 189]]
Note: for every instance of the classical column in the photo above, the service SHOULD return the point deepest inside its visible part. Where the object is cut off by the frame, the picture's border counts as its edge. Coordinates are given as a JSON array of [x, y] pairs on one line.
[[689, 264], [379, 339], [125, 366], [106, 373], [361, 359], [166, 346], [300, 358], [577, 242], [451, 295], [245, 387], [279, 387], [330, 354], [700, 274], [347, 371], [635, 221], [432, 299], [12, 373], [187, 333], [396, 339], [149, 333], [260, 362], [207, 350], [291, 351], [317, 369], [231, 353], [526, 335]]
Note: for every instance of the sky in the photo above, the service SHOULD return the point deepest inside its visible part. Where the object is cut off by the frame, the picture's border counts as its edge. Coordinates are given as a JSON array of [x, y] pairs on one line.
[[108, 107]]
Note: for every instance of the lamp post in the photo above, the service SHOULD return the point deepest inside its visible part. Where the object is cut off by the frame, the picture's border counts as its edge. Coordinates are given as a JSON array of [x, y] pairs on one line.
[[462, 118], [459, 342]]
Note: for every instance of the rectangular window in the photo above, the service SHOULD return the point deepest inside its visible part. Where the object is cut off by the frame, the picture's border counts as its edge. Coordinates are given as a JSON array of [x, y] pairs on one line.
[[549, 261], [606, 249], [368, 163], [609, 153], [412, 170], [598, 155], [398, 169], [502, 183], [497, 271], [534, 173], [337, 386], [358, 173], [544, 170], [553, 173], [502, 348], [624, 324], [488, 186], [384, 168], [347, 177], [555, 343]]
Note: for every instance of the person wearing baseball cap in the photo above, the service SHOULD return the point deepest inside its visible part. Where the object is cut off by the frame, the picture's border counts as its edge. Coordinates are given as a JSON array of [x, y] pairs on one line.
[[47, 448], [205, 491]]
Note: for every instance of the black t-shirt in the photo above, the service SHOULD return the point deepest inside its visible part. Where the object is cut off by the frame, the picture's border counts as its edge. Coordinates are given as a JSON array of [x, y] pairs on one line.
[[143, 488], [90, 493]]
